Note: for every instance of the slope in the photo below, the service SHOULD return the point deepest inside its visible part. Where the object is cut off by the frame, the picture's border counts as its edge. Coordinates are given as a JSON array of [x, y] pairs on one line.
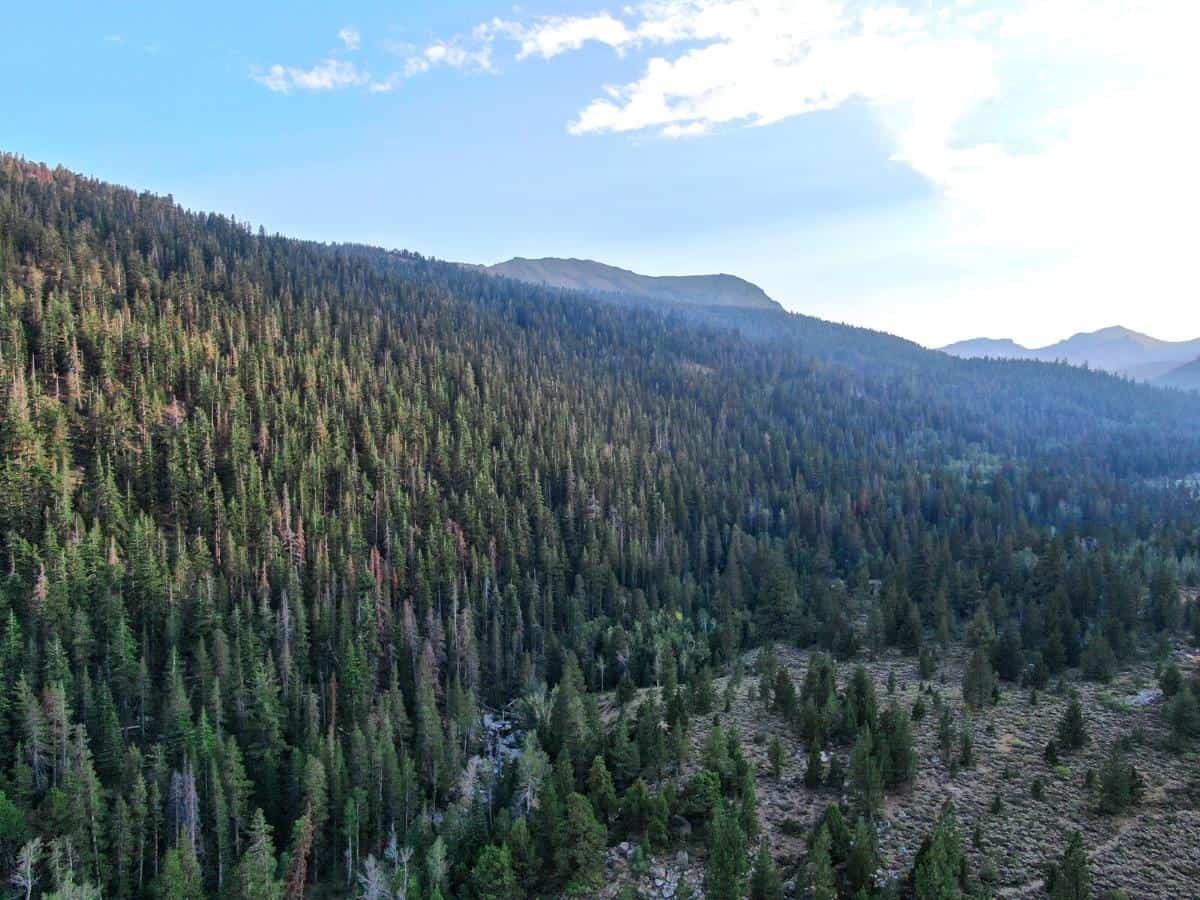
[[281, 518], [1186, 376]]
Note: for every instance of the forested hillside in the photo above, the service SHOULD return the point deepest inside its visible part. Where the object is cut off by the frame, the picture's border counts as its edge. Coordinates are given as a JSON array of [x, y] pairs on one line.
[[279, 520]]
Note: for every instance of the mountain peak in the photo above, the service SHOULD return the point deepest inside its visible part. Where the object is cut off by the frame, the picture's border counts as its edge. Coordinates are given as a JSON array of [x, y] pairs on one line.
[[591, 276], [1115, 349]]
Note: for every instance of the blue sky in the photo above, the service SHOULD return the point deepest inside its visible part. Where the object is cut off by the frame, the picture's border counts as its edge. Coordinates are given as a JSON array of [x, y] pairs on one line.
[[940, 171]]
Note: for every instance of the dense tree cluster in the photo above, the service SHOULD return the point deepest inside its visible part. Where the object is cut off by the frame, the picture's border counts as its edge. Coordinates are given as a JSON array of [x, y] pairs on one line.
[[280, 519]]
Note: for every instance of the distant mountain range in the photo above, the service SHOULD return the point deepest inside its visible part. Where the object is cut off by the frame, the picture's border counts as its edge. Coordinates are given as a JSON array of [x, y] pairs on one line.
[[595, 277], [1187, 377], [1117, 350], [1120, 351]]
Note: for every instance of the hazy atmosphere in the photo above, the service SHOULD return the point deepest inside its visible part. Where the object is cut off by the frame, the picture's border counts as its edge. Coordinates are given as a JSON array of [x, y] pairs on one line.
[[939, 171]]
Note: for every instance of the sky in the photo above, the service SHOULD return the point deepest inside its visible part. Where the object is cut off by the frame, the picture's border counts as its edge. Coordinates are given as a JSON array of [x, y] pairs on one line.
[[941, 171]]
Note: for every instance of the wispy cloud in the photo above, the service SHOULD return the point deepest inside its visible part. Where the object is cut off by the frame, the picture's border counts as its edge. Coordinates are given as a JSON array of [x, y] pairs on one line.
[[552, 36], [327, 75], [470, 52], [454, 54], [950, 85]]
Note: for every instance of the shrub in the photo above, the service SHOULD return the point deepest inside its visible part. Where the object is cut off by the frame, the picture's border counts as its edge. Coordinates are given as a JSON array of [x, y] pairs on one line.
[[1171, 680]]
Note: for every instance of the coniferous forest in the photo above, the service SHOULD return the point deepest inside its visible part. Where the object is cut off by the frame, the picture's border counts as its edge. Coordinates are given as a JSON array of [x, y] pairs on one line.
[[347, 572]]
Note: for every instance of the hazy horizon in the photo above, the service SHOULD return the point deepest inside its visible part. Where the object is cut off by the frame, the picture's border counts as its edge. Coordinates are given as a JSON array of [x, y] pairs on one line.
[[938, 172]]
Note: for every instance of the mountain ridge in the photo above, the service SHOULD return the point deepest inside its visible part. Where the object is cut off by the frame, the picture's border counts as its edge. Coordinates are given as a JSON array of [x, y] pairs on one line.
[[1115, 349], [1186, 377], [592, 276]]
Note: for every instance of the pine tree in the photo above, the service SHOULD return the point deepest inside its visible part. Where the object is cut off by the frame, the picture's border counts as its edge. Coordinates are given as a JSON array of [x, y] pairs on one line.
[[1072, 733], [1069, 878], [865, 774], [815, 768], [430, 740], [765, 882], [580, 854], [748, 809], [255, 876], [566, 714], [863, 859], [601, 793], [820, 868], [1183, 713], [1121, 785], [180, 876], [939, 868], [966, 747], [979, 681], [777, 756], [946, 735], [493, 878], [725, 870]]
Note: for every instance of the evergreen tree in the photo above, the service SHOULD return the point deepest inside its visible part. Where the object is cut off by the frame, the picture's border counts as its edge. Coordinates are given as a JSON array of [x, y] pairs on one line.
[[1183, 714], [865, 774], [939, 869], [765, 882], [1121, 785], [180, 876], [601, 793], [255, 878], [725, 870], [813, 771], [776, 755], [580, 854], [979, 681], [863, 859], [493, 878], [1069, 878], [1072, 733], [821, 881]]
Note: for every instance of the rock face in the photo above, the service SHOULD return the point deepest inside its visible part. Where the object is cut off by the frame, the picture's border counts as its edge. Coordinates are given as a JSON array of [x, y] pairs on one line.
[[593, 277], [659, 879]]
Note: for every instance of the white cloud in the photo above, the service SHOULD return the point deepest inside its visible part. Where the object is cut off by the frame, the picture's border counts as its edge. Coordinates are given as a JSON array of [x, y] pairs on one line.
[[761, 61], [456, 56], [465, 52], [1051, 126], [350, 37], [327, 75], [470, 52], [555, 35], [1060, 127]]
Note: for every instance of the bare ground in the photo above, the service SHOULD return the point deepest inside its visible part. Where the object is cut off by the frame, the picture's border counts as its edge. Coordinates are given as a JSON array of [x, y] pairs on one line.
[[1152, 853]]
